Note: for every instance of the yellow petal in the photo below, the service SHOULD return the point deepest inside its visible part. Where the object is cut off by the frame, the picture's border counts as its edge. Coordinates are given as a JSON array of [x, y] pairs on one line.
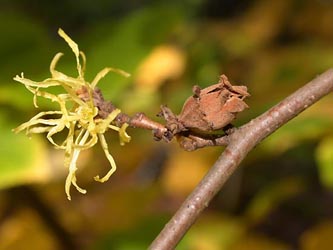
[[75, 49], [110, 159], [104, 72], [124, 137]]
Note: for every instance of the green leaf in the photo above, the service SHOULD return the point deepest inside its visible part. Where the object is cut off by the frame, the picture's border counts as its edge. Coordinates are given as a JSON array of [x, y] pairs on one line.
[[324, 157], [22, 160], [266, 200], [295, 132], [213, 230]]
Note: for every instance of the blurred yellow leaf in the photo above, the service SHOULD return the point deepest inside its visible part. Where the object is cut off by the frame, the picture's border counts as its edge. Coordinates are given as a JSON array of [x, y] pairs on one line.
[[324, 157], [318, 237], [165, 62], [184, 171], [25, 231]]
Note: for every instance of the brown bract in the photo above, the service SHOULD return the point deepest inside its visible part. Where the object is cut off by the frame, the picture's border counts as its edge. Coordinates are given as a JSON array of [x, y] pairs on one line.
[[207, 110]]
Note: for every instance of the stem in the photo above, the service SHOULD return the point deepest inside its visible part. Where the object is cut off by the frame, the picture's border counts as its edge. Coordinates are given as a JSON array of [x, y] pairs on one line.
[[242, 141]]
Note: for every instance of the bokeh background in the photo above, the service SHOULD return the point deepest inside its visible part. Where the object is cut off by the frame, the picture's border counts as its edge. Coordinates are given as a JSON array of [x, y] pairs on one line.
[[280, 198]]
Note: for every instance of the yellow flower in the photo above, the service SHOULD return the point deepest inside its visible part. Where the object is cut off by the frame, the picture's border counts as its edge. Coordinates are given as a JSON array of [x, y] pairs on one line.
[[77, 115]]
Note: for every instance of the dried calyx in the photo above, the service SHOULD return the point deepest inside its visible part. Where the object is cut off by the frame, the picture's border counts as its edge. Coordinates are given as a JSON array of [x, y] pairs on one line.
[[204, 114]]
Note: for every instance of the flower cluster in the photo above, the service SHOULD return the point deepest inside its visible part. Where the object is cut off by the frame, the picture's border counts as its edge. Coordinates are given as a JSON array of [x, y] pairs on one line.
[[77, 115]]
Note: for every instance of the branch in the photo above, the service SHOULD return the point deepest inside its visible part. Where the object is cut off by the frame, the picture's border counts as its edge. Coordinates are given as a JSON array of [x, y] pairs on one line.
[[204, 113], [241, 142]]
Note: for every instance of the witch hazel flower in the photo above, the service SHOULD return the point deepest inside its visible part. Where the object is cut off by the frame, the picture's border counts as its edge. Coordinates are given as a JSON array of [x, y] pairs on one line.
[[79, 114]]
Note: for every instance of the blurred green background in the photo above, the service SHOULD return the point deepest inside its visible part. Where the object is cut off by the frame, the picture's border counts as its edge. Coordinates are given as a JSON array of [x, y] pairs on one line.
[[281, 197]]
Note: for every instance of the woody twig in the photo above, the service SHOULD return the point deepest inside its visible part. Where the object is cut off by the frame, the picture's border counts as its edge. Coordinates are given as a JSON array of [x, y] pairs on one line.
[[241, 142]]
